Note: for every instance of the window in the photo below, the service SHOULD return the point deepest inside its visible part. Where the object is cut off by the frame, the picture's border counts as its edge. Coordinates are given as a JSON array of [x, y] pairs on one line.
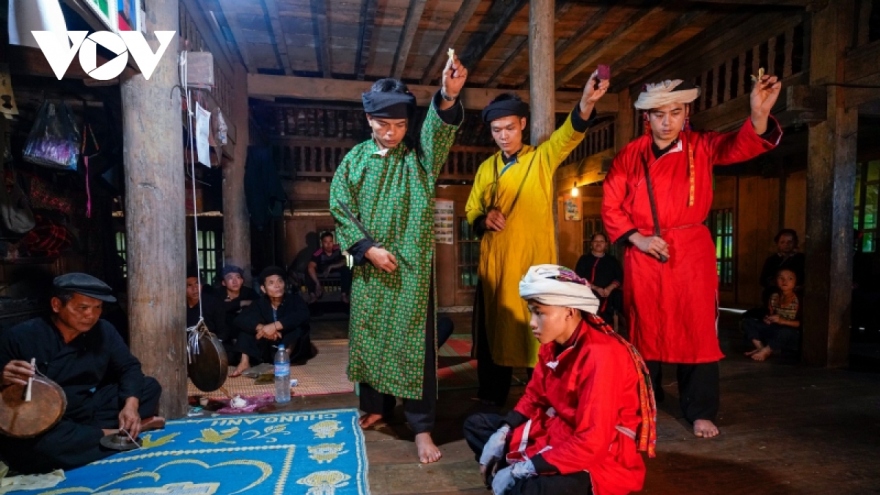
[[468, 254], [721, 226], [210, 254], [121, 253], [866, 205]]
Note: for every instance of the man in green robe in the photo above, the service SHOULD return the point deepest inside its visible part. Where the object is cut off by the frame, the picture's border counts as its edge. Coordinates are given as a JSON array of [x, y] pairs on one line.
[[387, 183]]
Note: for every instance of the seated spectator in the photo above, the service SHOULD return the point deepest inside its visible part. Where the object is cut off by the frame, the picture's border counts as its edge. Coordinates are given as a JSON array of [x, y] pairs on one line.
[[780, 329], [786, 257], [105, 387], [326, 260], [276, 317], [605, 276], [209, 308], [238, 296], [585, 413]]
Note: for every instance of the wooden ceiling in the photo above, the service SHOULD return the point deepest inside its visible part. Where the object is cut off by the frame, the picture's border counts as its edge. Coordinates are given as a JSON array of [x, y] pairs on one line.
[[372, 39]]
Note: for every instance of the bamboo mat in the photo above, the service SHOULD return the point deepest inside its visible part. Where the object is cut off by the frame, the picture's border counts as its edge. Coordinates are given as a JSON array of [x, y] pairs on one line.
[[324, 374]]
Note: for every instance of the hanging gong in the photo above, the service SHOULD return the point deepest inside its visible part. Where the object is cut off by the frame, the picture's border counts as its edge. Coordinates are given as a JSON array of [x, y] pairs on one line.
[[21, 419], [207, 368]]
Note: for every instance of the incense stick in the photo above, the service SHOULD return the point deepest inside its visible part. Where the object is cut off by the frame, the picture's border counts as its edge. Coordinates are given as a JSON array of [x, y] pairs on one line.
[[27, 392]]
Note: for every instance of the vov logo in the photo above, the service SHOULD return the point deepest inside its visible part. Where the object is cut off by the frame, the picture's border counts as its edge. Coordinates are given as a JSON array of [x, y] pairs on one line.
[[59, 49]]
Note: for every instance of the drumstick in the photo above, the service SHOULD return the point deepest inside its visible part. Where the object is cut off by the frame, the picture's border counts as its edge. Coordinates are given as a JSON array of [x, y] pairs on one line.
[[27, 392]]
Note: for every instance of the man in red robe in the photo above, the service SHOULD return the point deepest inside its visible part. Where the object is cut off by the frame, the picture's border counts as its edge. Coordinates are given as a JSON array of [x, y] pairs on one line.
[[670, 275]]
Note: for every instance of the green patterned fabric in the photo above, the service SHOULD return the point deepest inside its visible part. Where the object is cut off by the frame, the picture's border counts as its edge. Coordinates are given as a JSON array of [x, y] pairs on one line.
[[392, 195]]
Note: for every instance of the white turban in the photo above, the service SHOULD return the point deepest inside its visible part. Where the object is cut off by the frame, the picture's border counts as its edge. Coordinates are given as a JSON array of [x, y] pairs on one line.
[[664, 93], [556, 285]]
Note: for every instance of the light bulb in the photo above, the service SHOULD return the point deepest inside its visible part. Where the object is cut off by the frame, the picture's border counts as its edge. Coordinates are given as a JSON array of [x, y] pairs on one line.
[[574, 191]]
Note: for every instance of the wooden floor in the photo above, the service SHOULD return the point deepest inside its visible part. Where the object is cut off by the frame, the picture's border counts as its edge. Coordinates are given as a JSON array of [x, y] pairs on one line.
[[786, 429]]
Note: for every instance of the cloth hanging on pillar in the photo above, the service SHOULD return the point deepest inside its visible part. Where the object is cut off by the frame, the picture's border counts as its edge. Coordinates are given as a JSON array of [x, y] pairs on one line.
[[264, 194]]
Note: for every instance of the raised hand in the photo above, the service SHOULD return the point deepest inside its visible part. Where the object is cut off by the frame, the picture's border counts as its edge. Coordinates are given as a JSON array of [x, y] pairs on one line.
[[454, 76], [594, 90], [765, 92]]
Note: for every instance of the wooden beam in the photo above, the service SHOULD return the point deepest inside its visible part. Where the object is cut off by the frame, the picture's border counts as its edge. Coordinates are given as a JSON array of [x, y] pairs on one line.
[[155, 227], [464, 14], [589, 57], [236, 221], [407, 34], [562, 6], [307, 88], [322, 37], [862, 62], [542, 121], [365, 38], [277, 33], [677, 25], [228, 8], [831, 173], [495, 22], [596, 20]]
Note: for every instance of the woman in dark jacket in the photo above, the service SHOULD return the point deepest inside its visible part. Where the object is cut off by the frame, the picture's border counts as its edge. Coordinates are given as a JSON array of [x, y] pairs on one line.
[[605, 275], [275, 318]]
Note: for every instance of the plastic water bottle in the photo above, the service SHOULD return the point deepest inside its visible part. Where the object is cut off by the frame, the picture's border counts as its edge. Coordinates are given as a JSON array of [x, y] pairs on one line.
[[282, 376]]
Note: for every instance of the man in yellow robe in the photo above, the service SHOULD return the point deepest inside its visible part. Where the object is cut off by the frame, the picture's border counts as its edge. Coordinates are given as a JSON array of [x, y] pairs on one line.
[[510, 205]]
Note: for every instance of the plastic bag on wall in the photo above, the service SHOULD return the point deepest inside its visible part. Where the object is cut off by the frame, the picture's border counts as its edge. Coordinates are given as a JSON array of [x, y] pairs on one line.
[[54, 138]]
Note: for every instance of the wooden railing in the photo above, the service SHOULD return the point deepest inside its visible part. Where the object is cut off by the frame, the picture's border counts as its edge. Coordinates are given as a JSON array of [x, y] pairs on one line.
[[783, 55], [599, 138]]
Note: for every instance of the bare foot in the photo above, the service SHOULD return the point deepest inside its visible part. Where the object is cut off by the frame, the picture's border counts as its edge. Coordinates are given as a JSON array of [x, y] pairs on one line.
[[428, 451], [704, 428], [242, 366], [368, 420], [758, 346], [762, 354]]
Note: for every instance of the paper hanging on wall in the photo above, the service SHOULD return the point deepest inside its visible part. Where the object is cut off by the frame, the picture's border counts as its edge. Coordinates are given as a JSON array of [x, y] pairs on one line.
[[444, 211], [203, 131]]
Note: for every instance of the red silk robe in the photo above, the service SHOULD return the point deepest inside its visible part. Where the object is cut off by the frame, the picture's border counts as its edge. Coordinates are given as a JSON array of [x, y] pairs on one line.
[[583, 407], [672, 307]]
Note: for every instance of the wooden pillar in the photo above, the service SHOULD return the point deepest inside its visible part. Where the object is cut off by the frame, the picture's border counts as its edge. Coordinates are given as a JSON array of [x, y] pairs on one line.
[[831, 173], [625, 124], [542, 69], [236, 223], [154, 216]]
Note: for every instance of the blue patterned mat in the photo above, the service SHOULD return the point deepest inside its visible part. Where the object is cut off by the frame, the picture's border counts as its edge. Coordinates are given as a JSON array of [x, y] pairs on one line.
[[307, 452]]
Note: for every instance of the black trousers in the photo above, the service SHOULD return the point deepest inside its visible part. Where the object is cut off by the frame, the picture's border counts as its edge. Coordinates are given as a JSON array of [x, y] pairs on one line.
[[75, 442], [263, 351], [344, 280], [477, 430], [494, 380], [698, 389], [419, 413]]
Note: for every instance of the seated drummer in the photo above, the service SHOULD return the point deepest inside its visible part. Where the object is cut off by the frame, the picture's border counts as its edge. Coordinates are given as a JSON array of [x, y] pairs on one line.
[[105, 387], [277, 317]]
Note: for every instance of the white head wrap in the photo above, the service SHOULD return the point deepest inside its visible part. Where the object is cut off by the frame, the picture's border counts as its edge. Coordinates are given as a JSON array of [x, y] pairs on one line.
[[663, 93], [556, 285]]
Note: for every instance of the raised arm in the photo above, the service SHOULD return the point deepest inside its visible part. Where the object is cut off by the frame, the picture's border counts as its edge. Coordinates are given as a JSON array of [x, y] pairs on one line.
[[445, 114]]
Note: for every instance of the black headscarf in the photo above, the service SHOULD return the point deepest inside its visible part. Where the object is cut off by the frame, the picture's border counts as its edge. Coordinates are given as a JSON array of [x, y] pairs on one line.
[[269, 271], [390, 105], [504, 108]]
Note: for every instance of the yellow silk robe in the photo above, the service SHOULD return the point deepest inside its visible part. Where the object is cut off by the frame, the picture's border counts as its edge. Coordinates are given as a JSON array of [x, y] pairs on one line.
[[528, 239]]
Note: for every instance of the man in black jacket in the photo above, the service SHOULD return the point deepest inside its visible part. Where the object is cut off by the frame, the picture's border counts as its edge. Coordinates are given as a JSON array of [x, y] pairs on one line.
[[105, 387]]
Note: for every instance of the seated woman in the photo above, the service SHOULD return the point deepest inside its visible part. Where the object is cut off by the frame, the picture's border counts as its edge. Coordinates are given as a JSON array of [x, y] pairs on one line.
[[778, 330], [574, 429], [605, 276], [275, 318]]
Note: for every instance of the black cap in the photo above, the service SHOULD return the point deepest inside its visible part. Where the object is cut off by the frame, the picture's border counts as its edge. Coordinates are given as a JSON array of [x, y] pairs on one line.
[[85, 284], [269, 271], [231, 269]]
